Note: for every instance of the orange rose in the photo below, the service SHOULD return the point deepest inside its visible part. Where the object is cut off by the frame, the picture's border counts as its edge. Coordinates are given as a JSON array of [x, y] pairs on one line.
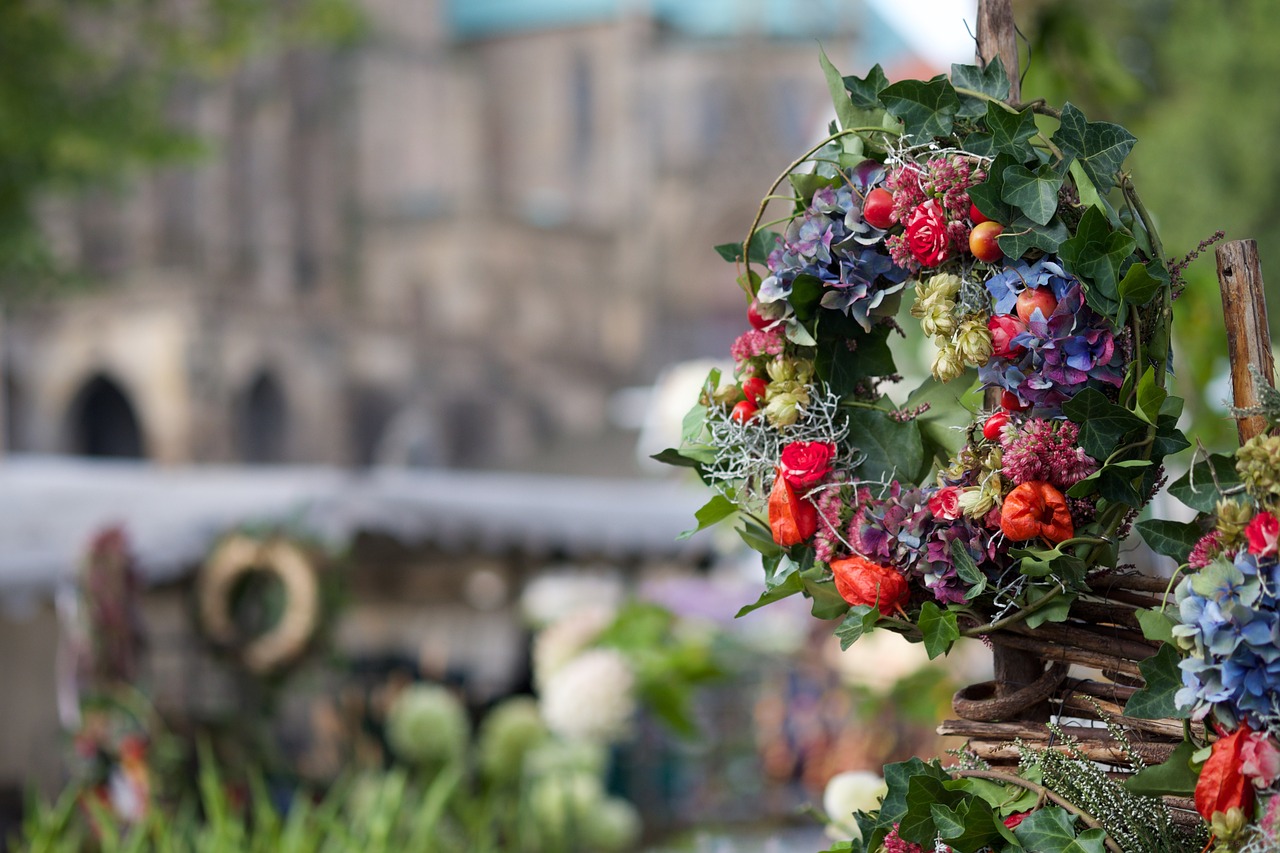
[[860, 581], [791, 519], [1036, 509]]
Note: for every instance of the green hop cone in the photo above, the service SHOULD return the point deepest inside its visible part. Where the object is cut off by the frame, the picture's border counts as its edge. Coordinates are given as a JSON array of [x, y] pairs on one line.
[[427, 725], [560, 805], [1258, 463], [509, 733]]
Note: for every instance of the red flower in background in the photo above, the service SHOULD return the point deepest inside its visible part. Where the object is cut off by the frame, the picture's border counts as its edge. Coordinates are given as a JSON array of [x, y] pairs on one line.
[[1263, 534], [926, 234], [1222, 784], [805, 464], [1036, 509], [860, 581], [792, 519]]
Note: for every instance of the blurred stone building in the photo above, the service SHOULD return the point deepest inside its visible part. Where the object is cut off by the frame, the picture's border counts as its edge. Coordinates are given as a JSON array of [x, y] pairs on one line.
[[448, 245]]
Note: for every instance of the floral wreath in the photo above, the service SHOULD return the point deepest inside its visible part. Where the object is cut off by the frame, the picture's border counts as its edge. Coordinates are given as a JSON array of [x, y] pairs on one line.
[[998, 492]]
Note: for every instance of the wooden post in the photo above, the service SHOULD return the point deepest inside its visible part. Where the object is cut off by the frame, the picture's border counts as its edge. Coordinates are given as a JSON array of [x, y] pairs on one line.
[[997, 36], [1244, 310]]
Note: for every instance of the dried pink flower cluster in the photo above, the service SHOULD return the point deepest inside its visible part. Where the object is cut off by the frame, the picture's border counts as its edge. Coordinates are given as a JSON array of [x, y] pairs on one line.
[[942, 179], [826, 542], [754, 343], [1209, 547], [895, 844], [1045, 450]]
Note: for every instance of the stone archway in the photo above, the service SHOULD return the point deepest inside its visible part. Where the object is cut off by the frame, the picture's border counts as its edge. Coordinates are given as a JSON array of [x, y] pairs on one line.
[[262, 422], [102, 421]]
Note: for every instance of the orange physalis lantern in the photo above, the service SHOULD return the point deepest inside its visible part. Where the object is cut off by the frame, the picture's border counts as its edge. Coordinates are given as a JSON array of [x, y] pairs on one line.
[[1035, 510], [860, 581], [1222, 785], [791, 519]]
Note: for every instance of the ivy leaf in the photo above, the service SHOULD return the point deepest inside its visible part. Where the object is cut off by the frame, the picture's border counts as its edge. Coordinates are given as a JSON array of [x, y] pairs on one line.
[[922, 793], [927, 109], [1138, 286], [762, 243], [939, 629], [1104, 426], [1099, 146], [987, 195], [898, 778], [1171, 538], [807, 183], [1022, 235], [1055, 611], [890, 448], [992, 81], [1094, 255], [827, 601], [787, 588], [1010, 132], [847, 355], [864, 92], [759, 537], [1034, 193], [1174, 778], [1199, 487], [1156, 624], [712, 512], [1047, 830], [671, 456], [1169, 439], [1151, 396], [1163, 679], [860, 620]]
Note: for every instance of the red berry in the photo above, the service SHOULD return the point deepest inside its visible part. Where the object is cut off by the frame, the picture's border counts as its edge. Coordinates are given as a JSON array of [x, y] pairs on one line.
[[755, 318], [991, 429], [753, 389], [1035, 297], [983, 243], [976, 216], [877, 208], [744, 411], [1011, 402]]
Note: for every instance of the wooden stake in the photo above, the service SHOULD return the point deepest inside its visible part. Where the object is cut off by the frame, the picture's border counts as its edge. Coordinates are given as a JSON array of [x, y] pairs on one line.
[[1244, 309], [997, 36]]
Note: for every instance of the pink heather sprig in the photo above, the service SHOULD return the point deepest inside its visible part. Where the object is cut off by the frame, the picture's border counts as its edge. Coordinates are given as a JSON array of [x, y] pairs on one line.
[[1045, 450], [826, 542], [1205, 550], [754, 343]]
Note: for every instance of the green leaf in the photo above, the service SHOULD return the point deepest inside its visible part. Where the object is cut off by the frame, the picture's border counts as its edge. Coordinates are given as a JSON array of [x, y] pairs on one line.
[[992, 81], [1034, 193], [1055, 611], [926, 108], [1156, 624], [827, 601], [787, 588], [846, 112], [860, 620], [1007, 132], [1023, 235], [986, 196], [1094, 255], [671, 456], [864, 92], [1047, 830], [898, 778], [847, 355], [949, 823], [967, 570], [951, 405], [807, 183], [806, 294], [923, 791], [1174, 778], [1163, 679], [1202, 486], [1138, 287], [1099, 146], [762, 243], [891, 449], [939, 629], [1171, 538], [759, 537], [1104, 426], [1150, 396], [712, 512]]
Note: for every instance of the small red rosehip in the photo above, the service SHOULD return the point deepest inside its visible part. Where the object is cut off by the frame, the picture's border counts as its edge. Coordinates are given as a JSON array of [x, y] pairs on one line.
[[755, 318], [744, 411], [977, 217], [877, 208], [983, 243], [994, 424], [753, 389], [1035, 297], [1010, 402]]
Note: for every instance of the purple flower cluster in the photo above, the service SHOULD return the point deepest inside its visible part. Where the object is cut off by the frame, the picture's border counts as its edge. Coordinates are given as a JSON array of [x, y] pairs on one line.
[[832, 243], [1054, 357]]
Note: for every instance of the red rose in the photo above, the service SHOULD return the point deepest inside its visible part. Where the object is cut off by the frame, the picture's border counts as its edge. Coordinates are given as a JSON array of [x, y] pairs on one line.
[[860, 581], [792, 520], [1222, 785], [945, 503], [926, 234], [806, 463], [1036, 509], [1004, 328], [1263, 534]]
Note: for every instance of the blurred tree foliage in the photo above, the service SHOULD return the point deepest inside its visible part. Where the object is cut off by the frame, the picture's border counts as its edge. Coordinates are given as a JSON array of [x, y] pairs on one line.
[[1192, 79], [85, 87]]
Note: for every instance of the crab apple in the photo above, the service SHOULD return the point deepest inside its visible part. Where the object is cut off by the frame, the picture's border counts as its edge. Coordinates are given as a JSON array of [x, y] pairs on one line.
[[755, 318], [744, 411], [994, 424], [877, 208], [753, 389], [1010, 401], [1035, 297], [983, 243], [977, 217]]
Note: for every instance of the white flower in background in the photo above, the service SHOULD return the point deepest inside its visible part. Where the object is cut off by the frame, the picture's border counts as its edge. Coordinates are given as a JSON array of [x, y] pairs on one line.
[[846, 793], [591, 698], [553, 596], [560, 643], [877, 661]]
